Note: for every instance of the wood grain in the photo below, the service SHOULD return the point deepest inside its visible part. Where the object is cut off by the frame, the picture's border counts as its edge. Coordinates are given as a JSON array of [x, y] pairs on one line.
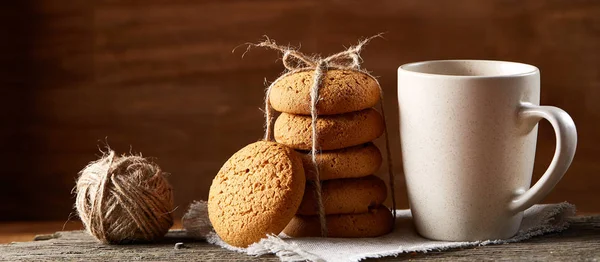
[[581, 242], [160, 78], [25, 231]]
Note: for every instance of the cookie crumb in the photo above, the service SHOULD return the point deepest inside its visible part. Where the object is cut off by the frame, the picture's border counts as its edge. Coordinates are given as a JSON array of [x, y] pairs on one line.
[[179, 245], [44, 237]]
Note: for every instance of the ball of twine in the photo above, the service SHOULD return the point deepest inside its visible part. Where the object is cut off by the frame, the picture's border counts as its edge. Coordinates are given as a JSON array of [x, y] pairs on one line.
[[124, 199]]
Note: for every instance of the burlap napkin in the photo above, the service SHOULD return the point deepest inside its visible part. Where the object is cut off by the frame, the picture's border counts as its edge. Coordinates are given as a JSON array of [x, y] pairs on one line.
[[538, 220]]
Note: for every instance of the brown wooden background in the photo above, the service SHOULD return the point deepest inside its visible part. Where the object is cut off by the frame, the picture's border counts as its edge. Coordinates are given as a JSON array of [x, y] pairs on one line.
[[160, 76]]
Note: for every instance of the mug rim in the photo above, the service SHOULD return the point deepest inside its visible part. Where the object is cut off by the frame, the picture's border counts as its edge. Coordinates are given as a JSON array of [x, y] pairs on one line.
[[532, 69]]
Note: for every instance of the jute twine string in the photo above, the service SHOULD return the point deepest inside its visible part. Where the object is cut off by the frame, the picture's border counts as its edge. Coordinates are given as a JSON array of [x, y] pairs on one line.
[[294, 62], [124, 199]]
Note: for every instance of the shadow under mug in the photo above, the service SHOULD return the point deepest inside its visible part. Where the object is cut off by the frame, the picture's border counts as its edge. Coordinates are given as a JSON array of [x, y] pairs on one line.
[[468, 131]]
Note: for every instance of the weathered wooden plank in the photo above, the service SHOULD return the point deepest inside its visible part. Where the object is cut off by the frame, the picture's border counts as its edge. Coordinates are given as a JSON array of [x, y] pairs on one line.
[[581, 242]]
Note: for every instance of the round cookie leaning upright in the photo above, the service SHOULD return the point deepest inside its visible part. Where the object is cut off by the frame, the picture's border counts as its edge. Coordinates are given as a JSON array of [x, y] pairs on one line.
[[256, 193], [341, 91]]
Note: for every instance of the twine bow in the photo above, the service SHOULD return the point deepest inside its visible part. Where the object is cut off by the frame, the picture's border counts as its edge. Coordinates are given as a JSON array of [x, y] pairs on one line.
[[294, 62]]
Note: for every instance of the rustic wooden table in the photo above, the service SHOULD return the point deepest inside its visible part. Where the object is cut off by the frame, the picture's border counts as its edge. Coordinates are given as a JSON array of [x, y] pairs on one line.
[[581, 242]]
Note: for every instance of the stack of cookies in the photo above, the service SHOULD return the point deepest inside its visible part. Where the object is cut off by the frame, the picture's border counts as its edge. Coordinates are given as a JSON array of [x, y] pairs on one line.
[[352, 196]]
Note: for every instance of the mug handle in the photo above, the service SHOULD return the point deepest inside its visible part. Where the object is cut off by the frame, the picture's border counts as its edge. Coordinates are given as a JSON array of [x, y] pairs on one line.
[[566, 143]]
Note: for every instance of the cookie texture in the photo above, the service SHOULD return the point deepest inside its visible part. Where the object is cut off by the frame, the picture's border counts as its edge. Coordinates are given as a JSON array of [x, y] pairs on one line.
[[352, 162], [345, 196], [341, 91], [256, 192], [376, 222], [334, 131]]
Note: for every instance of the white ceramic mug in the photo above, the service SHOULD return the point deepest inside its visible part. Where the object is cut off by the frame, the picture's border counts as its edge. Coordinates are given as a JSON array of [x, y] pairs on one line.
[[468, 131]]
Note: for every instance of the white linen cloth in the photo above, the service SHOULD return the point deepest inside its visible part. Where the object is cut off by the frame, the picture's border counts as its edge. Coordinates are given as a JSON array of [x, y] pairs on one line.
[[538, 220]]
